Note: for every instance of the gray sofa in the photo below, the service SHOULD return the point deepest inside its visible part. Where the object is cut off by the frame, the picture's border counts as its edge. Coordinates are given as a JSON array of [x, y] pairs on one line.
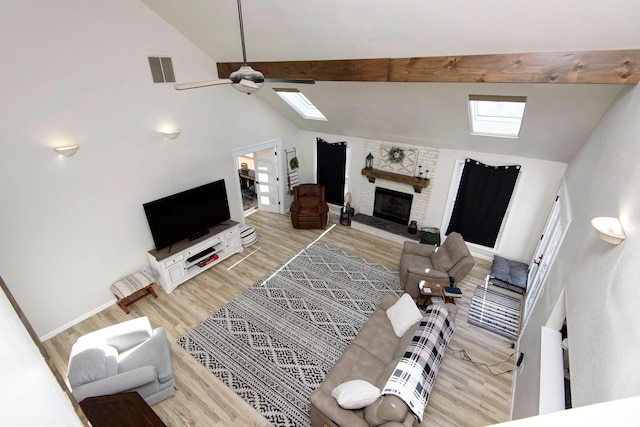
[[129, 356], [434, 264], [372, 356]]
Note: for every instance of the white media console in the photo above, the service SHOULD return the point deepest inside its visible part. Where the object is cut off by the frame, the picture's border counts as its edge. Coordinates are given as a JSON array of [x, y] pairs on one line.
[[185, 259]]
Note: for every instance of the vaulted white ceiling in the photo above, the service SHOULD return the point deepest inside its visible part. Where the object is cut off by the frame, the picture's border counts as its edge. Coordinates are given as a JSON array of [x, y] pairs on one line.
[[557, 120]]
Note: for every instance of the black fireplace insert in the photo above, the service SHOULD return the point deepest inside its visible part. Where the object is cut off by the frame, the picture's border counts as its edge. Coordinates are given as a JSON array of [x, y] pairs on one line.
[[392, 205]]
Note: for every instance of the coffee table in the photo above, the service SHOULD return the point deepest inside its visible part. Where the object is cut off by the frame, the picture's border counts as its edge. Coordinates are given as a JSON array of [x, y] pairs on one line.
[[120, 410]]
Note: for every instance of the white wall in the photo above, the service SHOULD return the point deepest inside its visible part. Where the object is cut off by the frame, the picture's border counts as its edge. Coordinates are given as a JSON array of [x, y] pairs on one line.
[[28, 377], [77, 72], [618, 413], [600, 280], [537, 189]]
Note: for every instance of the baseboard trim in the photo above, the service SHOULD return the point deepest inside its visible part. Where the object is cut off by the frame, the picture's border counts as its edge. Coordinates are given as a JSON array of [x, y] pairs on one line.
[[62, 328], [401, 239]]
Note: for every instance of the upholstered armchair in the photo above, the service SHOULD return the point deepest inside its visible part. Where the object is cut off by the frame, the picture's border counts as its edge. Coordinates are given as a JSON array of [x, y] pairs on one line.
[[309, 209], [129, 356], [434, 264]]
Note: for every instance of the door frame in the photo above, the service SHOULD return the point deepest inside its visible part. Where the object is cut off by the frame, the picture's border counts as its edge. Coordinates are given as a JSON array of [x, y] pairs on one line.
[[266, 169], [277, 144], [562, 219], [554, 320]]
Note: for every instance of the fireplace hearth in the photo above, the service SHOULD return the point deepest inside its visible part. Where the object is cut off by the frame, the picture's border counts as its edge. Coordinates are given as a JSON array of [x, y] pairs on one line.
[[392, 205]]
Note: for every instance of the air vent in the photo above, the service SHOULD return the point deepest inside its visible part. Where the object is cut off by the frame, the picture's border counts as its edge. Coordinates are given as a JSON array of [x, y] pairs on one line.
[[161, 69]]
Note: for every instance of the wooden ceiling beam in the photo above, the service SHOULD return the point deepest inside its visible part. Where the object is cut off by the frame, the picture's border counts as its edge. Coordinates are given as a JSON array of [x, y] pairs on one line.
[[358, 70], [589, 67]]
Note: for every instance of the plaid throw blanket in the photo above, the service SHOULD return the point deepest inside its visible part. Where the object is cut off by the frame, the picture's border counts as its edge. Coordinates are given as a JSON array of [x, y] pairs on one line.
[[413, 378]]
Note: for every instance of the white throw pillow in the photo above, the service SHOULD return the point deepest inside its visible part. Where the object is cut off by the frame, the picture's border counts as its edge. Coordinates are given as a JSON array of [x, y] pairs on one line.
[[355, 394], [403, 314]]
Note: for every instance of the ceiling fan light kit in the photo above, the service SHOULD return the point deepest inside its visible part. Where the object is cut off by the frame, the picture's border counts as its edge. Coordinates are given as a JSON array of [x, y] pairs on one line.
[[246, 86], [246, 79]]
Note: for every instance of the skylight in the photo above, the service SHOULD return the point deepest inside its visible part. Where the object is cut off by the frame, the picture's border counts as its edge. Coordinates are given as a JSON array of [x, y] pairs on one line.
[[300, 103], [499, 116]]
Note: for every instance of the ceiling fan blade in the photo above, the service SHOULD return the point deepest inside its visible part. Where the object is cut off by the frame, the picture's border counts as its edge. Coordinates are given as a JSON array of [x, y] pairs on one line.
[[183, 86], [299, 81]]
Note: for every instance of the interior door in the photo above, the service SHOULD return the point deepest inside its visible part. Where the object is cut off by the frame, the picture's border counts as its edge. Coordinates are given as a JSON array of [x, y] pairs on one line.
[[550, 241], [266, 165]]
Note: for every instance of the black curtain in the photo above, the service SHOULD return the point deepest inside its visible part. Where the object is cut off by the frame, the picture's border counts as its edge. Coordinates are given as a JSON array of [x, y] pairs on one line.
[[482, 201], [332, 159]]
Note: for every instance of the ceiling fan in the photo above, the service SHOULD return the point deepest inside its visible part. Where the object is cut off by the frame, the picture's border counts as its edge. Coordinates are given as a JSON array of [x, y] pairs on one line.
[[245, 79]]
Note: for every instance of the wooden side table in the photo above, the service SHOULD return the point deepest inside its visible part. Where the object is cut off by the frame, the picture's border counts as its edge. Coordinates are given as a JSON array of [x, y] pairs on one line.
[[120, 410], [432, 289]]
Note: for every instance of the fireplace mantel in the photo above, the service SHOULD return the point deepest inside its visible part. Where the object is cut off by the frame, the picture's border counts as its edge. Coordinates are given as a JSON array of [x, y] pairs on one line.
[[417, 183]]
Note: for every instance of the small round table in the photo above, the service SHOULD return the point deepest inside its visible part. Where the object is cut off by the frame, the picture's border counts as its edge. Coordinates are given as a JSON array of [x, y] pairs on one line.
[[345, 216]]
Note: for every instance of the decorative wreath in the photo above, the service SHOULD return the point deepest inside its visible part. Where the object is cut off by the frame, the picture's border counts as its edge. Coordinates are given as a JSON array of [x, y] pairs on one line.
[[395, 155]]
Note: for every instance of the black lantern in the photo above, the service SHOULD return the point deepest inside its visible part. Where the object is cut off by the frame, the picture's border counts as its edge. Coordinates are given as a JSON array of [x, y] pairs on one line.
[[369, 162]]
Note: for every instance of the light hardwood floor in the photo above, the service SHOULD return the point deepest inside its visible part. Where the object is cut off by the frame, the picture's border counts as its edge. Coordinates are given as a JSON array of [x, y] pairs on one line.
[[465, 394]]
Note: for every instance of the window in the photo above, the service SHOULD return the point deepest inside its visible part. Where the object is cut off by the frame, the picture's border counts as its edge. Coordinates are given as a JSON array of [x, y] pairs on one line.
[[499, 116], [300, 103], [331, 164], [482, 202]]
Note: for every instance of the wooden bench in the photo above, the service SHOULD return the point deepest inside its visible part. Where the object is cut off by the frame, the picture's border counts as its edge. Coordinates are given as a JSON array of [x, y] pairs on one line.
[[132, 288]]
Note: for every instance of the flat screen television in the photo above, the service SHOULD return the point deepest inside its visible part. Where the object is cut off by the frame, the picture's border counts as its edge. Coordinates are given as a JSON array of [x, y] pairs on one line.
[[188, 214]]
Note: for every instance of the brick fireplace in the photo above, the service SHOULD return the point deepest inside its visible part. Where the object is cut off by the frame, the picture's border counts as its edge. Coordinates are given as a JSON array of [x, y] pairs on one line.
[[427, 157]]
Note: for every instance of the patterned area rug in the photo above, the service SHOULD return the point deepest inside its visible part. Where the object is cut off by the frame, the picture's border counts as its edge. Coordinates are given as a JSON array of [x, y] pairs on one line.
[[275, 343], [496, 312]]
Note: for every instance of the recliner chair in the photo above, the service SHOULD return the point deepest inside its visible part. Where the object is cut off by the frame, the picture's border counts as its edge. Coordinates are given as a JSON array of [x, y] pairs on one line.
[[434, 264], [309, 209], [129, 356]]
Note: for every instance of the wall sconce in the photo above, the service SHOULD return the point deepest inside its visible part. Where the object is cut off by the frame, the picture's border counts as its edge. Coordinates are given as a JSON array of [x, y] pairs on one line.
[[609, 229], [67, 151], [170, 134]]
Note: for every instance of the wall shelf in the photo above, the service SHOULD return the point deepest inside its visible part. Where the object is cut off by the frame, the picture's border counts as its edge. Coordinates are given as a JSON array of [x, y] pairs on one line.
[[417, 183]]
